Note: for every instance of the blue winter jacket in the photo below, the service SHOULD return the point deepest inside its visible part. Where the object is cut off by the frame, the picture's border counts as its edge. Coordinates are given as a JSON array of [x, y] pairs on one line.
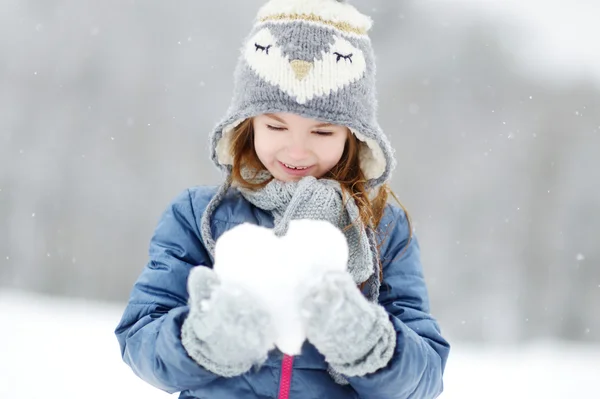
[[149, 332]]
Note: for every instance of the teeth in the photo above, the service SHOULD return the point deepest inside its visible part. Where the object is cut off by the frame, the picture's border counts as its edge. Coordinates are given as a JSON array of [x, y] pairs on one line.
[[295, 167]]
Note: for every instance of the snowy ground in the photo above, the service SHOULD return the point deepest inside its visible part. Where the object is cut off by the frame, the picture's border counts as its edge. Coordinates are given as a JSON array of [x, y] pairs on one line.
[[53, 348]]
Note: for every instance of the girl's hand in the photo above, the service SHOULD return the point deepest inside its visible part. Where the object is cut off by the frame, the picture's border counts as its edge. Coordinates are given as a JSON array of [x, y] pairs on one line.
[[355, 336], [228, 330]]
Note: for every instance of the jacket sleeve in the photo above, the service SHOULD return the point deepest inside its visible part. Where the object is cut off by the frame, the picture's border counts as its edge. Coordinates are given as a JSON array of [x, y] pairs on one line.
[[149, 331], [417, 366]]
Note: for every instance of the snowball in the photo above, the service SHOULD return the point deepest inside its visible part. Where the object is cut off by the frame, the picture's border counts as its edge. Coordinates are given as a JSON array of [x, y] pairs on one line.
[[279, 271]]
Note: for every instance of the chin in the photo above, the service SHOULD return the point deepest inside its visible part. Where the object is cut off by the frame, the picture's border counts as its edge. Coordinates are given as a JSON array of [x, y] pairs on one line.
[[287, 178]]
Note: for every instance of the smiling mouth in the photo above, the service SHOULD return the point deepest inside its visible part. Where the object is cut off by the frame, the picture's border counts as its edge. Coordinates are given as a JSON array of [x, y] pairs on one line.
[[295, 167]]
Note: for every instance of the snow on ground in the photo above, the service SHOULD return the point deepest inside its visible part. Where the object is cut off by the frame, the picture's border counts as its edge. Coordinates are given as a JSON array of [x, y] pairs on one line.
[[58, 348]]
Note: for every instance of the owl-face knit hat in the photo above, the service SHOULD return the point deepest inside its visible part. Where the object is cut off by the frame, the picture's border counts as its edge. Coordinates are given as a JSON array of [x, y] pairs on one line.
[[312, 58]]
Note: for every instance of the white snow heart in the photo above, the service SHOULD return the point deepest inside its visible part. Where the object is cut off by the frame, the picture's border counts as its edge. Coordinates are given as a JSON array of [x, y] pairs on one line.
[[280, 270]]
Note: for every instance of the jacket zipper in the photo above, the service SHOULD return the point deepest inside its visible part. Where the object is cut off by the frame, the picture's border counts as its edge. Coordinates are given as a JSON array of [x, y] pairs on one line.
[[285, 381]]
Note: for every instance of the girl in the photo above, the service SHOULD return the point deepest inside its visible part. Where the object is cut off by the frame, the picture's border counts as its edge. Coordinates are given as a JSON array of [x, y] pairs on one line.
[[300, 141]]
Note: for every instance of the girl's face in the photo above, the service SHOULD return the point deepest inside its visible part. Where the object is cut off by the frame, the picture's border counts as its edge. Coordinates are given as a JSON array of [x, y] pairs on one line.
[[291, 146]]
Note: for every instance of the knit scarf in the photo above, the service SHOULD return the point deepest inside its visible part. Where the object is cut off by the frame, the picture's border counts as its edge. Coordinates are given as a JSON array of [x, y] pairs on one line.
[[310, 198]]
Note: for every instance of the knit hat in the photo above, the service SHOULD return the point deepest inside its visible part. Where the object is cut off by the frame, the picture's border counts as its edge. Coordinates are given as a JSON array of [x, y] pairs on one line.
[[312, 58]]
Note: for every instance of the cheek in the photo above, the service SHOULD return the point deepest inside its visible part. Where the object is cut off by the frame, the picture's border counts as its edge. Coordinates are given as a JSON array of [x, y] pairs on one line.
[[332, 152], [261, 146]]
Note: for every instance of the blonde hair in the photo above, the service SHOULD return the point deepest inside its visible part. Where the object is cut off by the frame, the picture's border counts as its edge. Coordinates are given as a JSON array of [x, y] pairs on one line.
[[347, 172]]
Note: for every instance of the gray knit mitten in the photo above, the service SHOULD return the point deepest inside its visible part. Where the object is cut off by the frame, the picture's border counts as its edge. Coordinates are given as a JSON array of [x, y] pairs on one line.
[[227, 330], [355, 336]]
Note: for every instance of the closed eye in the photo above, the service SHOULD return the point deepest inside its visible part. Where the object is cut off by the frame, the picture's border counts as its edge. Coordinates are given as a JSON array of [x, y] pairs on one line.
[[280, 129], [346, 57], [262, 48]]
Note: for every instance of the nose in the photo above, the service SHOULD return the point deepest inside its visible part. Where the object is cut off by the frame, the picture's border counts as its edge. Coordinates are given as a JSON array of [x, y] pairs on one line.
[[298, 149], [301, 68]]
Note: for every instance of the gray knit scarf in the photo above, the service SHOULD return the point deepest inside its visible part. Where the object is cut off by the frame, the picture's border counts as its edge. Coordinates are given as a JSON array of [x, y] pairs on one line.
[[310, 198]]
